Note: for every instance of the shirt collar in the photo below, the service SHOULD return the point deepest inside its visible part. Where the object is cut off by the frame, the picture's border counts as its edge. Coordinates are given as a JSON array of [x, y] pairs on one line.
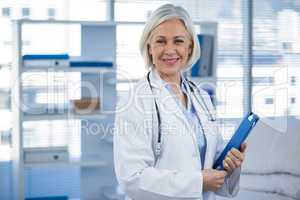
[[157, 81], [184, 86]]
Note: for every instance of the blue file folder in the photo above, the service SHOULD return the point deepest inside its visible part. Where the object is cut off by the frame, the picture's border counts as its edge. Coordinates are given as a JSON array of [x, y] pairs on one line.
[[238, 138], [46, 57], [90, 64]]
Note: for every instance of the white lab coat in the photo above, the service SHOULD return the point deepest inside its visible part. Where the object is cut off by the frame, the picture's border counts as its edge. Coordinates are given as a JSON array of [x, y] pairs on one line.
[[176, 174]]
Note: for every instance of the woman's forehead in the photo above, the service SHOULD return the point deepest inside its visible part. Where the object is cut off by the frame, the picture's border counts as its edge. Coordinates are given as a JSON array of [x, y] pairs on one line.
[[172, 27]]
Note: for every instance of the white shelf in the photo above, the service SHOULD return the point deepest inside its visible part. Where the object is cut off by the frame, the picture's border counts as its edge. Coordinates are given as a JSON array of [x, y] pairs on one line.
[[69, 69], [202, 79], [95, 115], [72, 163], [89, 23]]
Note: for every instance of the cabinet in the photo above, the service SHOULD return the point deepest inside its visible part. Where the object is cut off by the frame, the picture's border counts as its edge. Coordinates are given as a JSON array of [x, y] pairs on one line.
[[43, 106]]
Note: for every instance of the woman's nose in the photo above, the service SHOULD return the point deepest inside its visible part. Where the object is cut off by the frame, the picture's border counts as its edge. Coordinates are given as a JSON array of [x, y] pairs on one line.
[[170, 48]]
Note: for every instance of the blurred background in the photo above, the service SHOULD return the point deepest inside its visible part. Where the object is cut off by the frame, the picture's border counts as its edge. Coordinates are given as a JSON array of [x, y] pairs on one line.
[[64, 63]]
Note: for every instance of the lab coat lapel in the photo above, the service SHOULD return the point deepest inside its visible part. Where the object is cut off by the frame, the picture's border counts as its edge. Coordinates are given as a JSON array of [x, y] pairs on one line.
[[168, 103]]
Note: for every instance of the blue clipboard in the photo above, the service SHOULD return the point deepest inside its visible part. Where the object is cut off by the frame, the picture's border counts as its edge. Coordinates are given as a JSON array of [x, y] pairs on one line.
[[238, 138]]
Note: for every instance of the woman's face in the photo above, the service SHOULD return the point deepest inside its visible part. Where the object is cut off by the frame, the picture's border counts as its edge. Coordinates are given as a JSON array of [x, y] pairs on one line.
[[170, 47]]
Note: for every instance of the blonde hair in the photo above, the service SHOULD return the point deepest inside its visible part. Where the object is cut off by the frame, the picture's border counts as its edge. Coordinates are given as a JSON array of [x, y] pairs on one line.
[[160, 15]]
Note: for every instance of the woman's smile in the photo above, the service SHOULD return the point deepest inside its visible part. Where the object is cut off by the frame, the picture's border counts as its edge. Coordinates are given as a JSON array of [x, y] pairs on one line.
[[170, 61]]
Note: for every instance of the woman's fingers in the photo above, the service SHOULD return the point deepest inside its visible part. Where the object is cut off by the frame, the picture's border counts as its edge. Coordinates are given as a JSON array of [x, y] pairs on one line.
[[227, 168], [234, 158], [221, 178], [237, 158], [236, 155], [213, 179], [230, 163], [222, 174]]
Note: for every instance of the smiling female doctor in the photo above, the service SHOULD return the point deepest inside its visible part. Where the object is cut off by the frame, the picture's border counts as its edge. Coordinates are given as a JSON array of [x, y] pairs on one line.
[[166, 138]]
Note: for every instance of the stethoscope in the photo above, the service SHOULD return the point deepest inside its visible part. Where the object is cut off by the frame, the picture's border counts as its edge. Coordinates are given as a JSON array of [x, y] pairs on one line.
[[202, 103]]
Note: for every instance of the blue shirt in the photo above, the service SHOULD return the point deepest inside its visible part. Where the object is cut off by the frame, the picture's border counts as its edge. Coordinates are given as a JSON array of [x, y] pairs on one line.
[[192, 117]]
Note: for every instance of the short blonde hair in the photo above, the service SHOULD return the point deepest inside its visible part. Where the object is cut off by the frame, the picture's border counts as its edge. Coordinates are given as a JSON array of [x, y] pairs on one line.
[[160, 15]]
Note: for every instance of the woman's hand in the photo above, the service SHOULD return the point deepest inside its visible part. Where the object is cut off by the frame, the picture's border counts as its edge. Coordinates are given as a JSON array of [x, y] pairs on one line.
[[234, 159], [213, 179]]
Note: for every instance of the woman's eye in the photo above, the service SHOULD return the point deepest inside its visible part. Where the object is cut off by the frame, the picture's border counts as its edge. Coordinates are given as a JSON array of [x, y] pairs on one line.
[[160, 41], [179, 41]]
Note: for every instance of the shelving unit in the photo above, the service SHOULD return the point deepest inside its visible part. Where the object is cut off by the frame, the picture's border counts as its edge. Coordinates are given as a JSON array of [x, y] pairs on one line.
[[209, 28], [208, 82], [68, 69], [98, 42], [63, 116], [72, 163]]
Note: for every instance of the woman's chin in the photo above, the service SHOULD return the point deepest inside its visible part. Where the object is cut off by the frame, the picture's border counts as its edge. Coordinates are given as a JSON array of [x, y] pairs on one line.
[[170, 70]]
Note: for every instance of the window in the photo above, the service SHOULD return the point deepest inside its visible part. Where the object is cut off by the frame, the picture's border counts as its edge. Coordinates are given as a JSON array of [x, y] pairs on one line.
[[51, 13], [92, 10], [5, 113], [142, 9], [6, 12], [276, 38], [231, 61], [25, 12], [129, 62]]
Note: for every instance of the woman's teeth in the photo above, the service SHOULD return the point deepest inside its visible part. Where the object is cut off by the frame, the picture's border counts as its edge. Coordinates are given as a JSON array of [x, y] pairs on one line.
[[170, 61]]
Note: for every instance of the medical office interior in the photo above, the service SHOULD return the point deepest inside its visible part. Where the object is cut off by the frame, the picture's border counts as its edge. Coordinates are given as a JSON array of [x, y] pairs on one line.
[[64, 63]]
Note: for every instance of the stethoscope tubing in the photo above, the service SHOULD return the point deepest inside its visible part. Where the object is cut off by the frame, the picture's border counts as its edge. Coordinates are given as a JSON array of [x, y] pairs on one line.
[[203, 105]]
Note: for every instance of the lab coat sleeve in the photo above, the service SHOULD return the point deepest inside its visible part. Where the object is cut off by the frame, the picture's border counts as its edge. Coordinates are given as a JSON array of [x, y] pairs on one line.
[[134, 162], [231, 184]]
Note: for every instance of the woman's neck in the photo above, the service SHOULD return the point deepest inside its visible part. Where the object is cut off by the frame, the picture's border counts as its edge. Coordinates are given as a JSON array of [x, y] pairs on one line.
[[173, 80]]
